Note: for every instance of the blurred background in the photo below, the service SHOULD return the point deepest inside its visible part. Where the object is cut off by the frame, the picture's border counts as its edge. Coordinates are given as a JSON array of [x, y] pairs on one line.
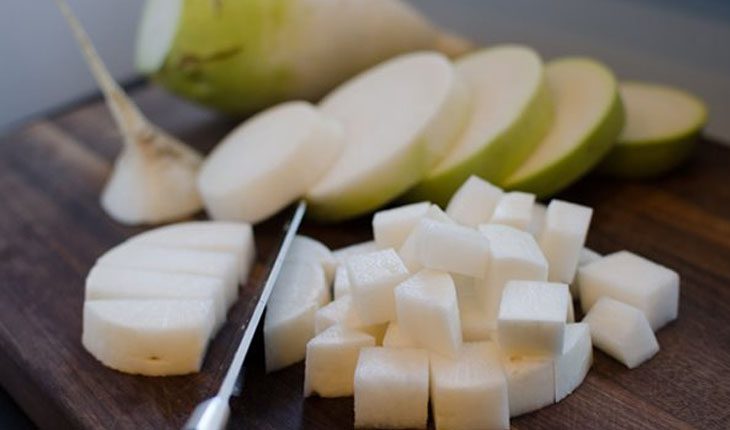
[[678, 42]]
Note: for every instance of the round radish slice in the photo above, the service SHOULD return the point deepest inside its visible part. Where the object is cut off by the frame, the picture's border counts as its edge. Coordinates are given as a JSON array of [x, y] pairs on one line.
[[268, 162], [400, 118]]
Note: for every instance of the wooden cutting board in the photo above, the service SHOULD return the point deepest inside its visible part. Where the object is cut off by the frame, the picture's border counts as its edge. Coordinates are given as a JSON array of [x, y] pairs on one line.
[[52, 230]]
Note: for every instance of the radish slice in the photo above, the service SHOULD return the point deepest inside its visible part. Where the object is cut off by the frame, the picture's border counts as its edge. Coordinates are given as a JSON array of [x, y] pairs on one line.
[[400, 118], [268, 162], [588, 119], [512, 111], [148, 337]]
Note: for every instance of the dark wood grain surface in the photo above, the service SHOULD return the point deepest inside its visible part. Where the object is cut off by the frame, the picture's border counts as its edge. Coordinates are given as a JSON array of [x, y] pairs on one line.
[[52, 230]]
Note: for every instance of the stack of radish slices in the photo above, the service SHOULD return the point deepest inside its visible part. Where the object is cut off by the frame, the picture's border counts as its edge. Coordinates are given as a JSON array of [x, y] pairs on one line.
[[154, 301], [471, 308]]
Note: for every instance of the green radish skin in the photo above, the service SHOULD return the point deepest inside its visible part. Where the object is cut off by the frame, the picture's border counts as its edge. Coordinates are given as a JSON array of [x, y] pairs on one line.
[[654, 153], [503, 153], [241, 56], [587, 151]]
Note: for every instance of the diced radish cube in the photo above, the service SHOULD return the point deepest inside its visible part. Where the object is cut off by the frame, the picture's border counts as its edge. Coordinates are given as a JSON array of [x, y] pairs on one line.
[[373, 278], [572, 366], [305, 249], [571, 311], [428, 312], [437, 214], [342, 282], [532, 318], [531, 383], [392, 226], [514, 256], [391, 388], [342, 254], [621, 331], [470, 390], [331, 360], [514, 209], [475, 326], [341, 312], [290, 313], [634, 280], [453, 248], [588, 256], [563, 237], [537, 222], [474, 202], [396, 338]]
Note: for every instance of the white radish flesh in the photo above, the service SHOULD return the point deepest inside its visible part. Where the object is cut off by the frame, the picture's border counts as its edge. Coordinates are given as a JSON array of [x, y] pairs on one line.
[[514, 254], [342, 254], [419, 106], [514, 209], [234, 238], [289, 324], [373, 278], [512, 111], [531, 382], [149, 337], [176, 260], [470, 390], [331, 361], [573, 364], [621, 331], [474, 202], [110, 283], [634, 280], [391, 388], [453, 248], [532, 318], [268, 162], [563, 238], [397, 338], [304, 249], [428, 311], [391, 227]]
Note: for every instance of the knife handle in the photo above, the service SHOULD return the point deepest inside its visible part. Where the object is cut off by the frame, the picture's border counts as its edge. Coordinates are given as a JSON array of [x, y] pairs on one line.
[[212, 414]]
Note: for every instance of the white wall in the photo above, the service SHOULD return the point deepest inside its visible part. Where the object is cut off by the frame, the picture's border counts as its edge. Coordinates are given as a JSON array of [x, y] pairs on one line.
[[40, 65], [679, 42]]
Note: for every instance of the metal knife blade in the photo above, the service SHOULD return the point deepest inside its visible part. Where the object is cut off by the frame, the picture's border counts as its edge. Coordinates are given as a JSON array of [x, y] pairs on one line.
[[213, 413]]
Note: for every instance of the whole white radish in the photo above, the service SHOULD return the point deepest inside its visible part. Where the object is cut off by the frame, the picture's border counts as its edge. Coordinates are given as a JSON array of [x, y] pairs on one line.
[[241, 56], [268, 162]]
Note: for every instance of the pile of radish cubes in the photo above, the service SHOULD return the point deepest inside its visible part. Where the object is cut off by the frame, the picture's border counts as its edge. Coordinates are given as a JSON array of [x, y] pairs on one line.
[[471, 309]]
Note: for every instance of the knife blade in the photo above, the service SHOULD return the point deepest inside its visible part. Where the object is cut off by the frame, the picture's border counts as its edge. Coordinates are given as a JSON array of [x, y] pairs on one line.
[[213, 413]]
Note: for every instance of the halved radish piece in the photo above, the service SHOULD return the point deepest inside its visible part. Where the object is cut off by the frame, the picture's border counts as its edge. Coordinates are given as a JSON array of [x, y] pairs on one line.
[[149, 337], [268, 162], [108, 283], [588, 119], [662, 124], [512, 111], [304, 249], [289, 324], [166, 259], [400, 118], [232, 237]]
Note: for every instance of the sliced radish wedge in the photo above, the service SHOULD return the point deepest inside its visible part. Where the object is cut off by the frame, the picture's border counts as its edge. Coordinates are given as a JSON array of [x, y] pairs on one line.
[[149, 337], [268, 162], [235, 238]]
